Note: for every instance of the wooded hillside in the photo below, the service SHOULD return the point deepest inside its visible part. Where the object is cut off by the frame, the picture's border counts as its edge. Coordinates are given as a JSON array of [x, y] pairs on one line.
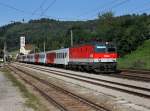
[[127, 32]]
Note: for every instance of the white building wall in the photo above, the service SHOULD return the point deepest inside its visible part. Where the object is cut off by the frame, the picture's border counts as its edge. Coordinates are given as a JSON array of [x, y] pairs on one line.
[[22, 46]]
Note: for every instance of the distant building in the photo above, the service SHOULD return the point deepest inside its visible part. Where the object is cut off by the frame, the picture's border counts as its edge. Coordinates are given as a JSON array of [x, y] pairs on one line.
[[24, 49], [1, 59]]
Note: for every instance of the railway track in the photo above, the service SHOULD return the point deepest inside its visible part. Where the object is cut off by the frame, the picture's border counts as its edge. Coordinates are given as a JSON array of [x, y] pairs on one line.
[[132, 76], [62, 99], [136, 71], [131, 89], [137, 75]]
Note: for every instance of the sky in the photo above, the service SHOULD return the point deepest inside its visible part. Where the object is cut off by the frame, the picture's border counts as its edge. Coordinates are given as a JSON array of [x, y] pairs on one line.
[[72, 10]]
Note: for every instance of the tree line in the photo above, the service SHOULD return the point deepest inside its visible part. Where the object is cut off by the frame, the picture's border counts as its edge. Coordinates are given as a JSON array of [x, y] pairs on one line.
[[127, 32]]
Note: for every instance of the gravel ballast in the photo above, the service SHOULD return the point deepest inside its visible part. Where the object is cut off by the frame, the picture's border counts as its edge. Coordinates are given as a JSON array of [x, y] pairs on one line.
[[114, 100]]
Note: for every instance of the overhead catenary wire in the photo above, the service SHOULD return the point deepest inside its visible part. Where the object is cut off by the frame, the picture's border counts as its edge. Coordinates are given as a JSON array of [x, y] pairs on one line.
[[23, 11], [101, 6], [11, 7], [103, 10], [40, 7], [119, 4], [49, 6], [143, 10]]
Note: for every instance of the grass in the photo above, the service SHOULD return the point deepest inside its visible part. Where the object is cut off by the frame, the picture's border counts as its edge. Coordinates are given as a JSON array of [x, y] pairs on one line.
[[13, 53], [138, 59], [31, 100]]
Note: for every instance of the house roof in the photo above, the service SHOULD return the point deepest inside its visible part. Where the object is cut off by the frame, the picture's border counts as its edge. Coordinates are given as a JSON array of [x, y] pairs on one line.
[[28, 47]]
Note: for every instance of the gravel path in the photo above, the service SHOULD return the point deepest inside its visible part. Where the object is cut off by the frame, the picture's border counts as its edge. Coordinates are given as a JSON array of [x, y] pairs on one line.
[[10, 97]]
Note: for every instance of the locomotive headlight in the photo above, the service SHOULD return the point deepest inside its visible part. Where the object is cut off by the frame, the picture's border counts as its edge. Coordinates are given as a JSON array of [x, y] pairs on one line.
[[114, 60]]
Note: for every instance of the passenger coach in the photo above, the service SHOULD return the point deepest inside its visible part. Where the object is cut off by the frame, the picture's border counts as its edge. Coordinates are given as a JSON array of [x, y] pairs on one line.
[[99, 57]]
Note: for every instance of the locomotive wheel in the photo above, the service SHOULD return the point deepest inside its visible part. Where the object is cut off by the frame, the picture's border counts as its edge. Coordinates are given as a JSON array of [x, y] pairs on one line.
[[87, 68], [80, 68], [97, 71]]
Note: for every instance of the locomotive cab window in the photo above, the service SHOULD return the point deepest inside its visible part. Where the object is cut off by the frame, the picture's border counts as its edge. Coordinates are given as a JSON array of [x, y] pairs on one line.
[[111, 49], [100, 48]]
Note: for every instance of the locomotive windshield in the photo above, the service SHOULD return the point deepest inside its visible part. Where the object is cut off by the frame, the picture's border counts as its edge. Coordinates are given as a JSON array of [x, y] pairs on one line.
[[111, 49], [100, 48], [104, 48]]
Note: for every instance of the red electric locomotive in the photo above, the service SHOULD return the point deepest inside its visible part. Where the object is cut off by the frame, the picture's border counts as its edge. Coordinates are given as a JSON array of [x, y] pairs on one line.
[[100, 57]]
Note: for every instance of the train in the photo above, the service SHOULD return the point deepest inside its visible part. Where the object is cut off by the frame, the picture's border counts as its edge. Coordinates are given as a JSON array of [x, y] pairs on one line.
[[98, 57]]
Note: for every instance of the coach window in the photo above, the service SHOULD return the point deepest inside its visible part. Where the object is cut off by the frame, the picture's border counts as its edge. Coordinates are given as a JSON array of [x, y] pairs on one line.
[[61, 55], [64, 55], [56, 55]]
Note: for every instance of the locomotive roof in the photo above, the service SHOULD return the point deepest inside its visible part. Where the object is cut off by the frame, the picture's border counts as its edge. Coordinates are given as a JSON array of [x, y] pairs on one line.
[[95, 43]]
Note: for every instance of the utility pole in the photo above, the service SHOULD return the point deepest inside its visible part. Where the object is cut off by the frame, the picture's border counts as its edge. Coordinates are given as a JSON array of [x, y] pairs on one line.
[[34, 49], [71, 37], [4, 50], [44, 46]]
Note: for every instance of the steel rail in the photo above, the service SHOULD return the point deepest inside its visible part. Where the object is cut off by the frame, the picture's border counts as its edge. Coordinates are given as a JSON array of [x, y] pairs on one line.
[[96, 106], [99, 84]]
